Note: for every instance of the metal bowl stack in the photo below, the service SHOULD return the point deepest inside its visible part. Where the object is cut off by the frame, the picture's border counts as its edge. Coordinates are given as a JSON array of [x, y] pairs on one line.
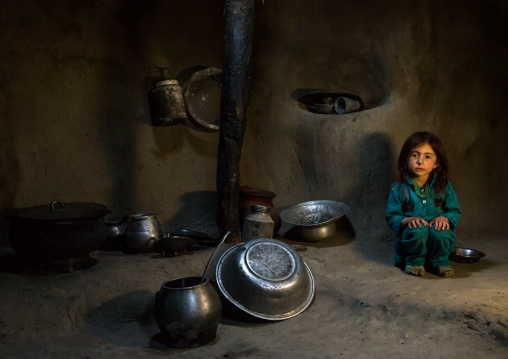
[[315, 220], [265, 278]]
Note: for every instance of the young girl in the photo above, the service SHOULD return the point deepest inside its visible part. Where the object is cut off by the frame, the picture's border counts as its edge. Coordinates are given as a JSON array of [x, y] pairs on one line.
[[422, 207]]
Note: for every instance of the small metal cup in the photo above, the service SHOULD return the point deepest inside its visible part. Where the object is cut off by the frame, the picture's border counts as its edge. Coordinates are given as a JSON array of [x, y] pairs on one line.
[[345, 105]]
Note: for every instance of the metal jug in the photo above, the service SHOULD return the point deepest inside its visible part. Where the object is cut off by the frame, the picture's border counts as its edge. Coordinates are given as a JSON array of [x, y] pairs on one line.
[[143, 230]]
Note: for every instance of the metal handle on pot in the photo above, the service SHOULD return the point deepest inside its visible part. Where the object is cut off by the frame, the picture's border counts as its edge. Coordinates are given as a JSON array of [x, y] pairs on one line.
[[52, 205], [203, 277]]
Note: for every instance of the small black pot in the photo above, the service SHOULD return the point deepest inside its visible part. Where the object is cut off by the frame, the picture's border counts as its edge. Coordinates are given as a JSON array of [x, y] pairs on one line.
[[58, 231], [187, 311]]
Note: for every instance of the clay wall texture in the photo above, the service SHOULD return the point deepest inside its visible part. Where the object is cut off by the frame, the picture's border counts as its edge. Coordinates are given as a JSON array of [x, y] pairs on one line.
[[75, 122]]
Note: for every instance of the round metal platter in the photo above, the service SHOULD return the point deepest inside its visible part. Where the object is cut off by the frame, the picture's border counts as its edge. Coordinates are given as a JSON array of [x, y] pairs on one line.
[[202, 95]]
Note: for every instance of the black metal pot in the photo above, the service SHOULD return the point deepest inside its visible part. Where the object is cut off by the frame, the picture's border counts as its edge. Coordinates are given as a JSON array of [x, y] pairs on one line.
[[187, 312], [58, 231]]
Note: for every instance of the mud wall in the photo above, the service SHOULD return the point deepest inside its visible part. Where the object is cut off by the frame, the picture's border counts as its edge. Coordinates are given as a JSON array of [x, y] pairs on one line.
[[428, 65], [75, 123], [74, 107]]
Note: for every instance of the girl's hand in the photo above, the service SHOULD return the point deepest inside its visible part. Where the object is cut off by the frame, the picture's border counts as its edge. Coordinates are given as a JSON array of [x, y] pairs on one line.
[[440, 223], [413, 222]]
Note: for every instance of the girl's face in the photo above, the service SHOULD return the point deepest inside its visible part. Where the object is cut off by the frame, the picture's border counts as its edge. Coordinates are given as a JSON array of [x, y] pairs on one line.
[[422, 160]]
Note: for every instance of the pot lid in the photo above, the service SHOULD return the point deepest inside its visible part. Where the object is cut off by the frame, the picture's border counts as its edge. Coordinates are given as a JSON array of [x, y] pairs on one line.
[[114, 221], [256, 191], [58, 211], [202, 95], [166, 82], [142, 216]]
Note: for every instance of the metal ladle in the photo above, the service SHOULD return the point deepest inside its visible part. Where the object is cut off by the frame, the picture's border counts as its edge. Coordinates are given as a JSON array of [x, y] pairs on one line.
[[213, 254]]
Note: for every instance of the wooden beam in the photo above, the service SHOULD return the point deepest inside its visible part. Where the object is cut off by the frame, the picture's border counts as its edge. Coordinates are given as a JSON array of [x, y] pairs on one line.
[[239, 30]]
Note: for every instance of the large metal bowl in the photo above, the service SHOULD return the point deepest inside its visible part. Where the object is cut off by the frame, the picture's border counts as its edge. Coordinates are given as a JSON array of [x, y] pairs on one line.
[[313, 220], [265, 278]]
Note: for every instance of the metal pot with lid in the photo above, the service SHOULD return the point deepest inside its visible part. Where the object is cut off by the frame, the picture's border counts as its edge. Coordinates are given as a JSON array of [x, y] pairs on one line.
[[58, 231]]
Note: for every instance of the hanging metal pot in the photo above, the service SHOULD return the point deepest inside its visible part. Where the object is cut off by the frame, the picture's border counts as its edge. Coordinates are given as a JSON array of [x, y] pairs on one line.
[[167, 106]]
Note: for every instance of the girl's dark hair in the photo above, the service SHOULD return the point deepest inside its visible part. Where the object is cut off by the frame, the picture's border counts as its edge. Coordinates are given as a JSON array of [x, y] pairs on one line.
[[416, 140]]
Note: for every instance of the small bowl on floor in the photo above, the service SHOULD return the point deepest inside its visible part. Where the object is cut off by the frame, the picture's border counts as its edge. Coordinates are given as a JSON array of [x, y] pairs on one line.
[[466, 255]]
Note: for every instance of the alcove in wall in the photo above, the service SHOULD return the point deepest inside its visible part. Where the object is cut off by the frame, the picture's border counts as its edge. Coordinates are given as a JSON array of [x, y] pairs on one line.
[[332, 102]]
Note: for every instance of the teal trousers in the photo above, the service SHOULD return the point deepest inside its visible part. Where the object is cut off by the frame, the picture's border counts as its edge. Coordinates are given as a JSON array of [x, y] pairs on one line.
[[425, 245]]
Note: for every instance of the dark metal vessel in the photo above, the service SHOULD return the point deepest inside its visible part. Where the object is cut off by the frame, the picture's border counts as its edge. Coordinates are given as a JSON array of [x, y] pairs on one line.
[[187, 312]]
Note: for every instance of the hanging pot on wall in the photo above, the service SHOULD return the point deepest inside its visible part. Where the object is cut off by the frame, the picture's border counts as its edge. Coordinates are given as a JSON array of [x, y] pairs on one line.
[[165, 98], [58, 230]]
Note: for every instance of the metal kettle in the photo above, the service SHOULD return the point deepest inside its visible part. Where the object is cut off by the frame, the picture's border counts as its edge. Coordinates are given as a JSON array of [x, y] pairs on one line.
[[143, 230]]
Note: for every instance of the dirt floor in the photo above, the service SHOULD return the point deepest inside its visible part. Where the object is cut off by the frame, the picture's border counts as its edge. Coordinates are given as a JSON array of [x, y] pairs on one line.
[[364, 308]]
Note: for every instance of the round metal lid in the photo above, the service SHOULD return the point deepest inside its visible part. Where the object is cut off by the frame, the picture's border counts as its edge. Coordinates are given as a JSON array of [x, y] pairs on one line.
[[202, 95], [166, 82], [260, 209], [58, 211], [142, 216], [114, 221]]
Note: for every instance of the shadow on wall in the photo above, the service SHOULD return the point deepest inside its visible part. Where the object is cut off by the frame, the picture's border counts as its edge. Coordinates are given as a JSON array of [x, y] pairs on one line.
[[116, 139], [373, 180], [10, 175], [170, 139], [197, 211]]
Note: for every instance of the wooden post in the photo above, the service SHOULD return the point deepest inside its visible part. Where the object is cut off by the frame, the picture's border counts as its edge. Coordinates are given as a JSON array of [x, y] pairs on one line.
[[239, 30]]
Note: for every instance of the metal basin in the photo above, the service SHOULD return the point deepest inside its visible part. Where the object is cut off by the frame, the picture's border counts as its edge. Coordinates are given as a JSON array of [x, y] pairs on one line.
[[265, 278], [313, 220], [465, 255]]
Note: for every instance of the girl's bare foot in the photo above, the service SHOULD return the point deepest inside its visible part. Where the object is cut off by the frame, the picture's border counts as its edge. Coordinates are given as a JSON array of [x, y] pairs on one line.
[[445, 271], [418, 271]]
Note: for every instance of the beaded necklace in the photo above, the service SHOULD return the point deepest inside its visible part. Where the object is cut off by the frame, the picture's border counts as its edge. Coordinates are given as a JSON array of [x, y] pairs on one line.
[[425, 191]]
